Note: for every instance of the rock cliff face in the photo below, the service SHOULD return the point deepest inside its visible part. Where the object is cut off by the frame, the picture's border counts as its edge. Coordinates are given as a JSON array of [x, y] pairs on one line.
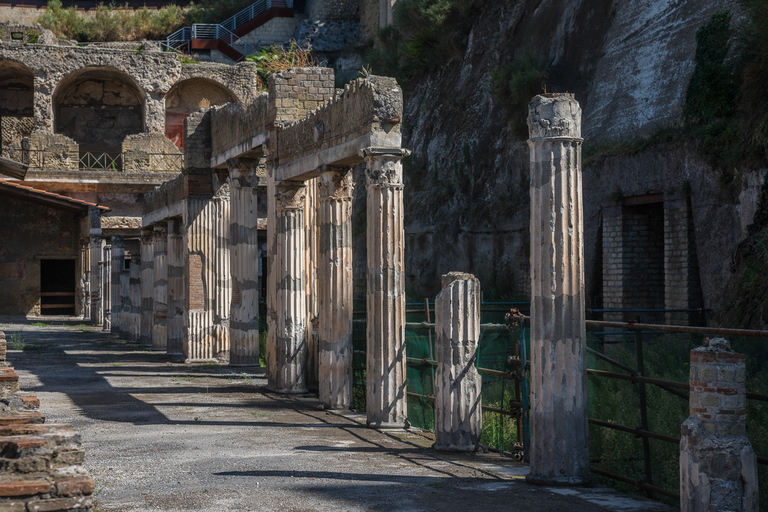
[[628, 63]]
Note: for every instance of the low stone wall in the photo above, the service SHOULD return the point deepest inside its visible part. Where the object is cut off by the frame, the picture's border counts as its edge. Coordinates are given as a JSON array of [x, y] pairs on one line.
[[41, 466], [167, 194], [237, 123], [347, 116], [46, 150], [153, 152]]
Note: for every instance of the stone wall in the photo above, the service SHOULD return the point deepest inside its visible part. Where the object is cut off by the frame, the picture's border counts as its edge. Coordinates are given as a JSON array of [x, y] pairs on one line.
[[46, 150], [169, 193], [238, 123], [42, 464], [332, 9], [344, 118], [197, 140], [275, 31], [296, 91], [240, 78], [12, 132], [328, 35], [150, 152]]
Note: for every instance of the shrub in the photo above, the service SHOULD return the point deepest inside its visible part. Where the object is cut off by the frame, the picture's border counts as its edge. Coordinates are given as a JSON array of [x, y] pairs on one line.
[[278, 58], [516, 84]]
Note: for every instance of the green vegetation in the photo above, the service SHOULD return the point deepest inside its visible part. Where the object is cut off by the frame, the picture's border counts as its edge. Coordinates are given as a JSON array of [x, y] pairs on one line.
[[16, 342], [273, 59], [427, 34], [516, 83], [40, 324], [112, 22]]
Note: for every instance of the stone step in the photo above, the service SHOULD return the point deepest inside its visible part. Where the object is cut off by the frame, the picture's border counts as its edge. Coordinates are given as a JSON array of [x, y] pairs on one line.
[[22, 417]]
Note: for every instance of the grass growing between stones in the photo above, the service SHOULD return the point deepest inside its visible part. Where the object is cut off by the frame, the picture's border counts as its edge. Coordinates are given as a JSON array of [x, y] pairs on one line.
[[666, 357]]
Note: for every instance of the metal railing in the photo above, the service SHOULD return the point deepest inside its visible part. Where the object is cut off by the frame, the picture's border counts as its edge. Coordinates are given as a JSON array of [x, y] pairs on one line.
[[224, 30]]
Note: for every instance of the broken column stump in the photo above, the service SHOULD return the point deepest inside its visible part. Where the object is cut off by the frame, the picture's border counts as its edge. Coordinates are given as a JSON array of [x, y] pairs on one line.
[[335, 287], [458, 385], [559, 429], [718, 467], [385, 329]]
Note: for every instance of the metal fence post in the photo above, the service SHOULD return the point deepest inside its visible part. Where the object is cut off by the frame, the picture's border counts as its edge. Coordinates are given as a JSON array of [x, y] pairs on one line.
[[643, 407]]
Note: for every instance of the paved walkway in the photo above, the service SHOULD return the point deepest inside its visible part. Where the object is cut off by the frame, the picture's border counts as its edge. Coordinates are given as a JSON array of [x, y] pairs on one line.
[[164, 436]]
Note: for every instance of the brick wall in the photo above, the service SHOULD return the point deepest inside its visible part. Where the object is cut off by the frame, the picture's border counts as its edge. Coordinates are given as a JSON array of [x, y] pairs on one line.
[[297, 91]]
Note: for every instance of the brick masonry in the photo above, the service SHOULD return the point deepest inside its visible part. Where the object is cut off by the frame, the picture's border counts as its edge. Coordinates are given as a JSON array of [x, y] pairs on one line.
[[41, 466]]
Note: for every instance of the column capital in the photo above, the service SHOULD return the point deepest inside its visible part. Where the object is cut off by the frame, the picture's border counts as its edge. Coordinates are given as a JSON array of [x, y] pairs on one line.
[[243, 172], [147, 235], [118, 241], [383, 167], [290, 195], [335, 183], [94, 240], [159, 231], [554, 116]]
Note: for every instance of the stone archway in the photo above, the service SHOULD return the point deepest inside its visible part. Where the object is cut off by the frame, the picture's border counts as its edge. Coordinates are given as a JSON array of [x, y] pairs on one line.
[[189, 96], [16, 107]]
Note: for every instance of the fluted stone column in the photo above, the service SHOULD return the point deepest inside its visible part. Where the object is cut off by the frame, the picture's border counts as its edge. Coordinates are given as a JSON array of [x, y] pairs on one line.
[[244, 258], [94, 249], [147, 286], [310, 282], [287, 360], [134, 299], [124, 329], [116, 307], [718, 466], [271, 270], [385, 387], [335, 287], [176, 299], [458, 385], [160, 288], [106, 280], [559, 430]]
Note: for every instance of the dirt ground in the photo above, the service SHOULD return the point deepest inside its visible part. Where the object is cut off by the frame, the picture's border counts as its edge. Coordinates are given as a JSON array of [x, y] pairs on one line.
[[166, 436]]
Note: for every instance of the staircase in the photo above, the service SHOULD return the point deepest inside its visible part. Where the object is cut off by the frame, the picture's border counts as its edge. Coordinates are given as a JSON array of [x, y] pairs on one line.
[[226, 36]]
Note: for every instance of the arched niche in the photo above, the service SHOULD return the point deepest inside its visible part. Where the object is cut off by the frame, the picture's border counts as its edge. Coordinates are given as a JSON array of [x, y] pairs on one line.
[[190, 96], [98, 107], [16, 90]]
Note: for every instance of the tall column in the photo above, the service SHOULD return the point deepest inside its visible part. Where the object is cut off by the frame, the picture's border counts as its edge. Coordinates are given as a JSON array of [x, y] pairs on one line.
[[160, 288], [310, 282], [106, 281], [83, 288], [244, 257], [718, 466], [385, 387], [288, 358], [335, 287], [94, 248], [134, 299], [458, 385], [559, 430], [116, 307], [175, 319], [271, 270], [147, 286]]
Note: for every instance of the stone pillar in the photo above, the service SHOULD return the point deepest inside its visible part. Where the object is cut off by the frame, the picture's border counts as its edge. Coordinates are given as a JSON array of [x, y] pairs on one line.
[[271, 270], [160, 288], [385, 386], [134, 299], [94, 249], [335, 287], [287, 359], [718, 467], [559, 430], [124, 327], [310, 282], [175, 319], [458, 412], [118, 255], [106, 280], [147, 286], [244, 258]]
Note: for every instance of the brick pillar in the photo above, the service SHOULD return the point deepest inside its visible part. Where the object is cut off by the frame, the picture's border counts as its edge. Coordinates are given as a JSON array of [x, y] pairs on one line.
[[95, 251], [335, 287], [147, 286], [116, 307], [106, 280], [718, 467], [559, 429], [244, 257], [176, 299], [160, 287], [458, 385], [385, 386], [287, 359]]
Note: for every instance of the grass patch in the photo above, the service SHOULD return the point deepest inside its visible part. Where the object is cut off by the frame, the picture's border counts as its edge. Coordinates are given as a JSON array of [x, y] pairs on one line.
[[274, 59], [16, 342], [40, 324]]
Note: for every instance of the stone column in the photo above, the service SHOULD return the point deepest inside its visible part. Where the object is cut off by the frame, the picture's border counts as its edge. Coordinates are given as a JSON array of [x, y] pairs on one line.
[[335, 287], [458, 412], [147, 286], [175, 319], [310, 281], [106, 281], [271, 270], [385, 386], [94, 249], [718, 467], [160, 287], [134, 299], [559, 430], [116, 307], [244, 258], [287, 360]]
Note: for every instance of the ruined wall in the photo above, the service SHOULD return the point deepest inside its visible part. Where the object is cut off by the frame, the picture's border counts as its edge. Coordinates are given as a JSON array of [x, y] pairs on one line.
[[238, 123], [29, 233], [12, 132]]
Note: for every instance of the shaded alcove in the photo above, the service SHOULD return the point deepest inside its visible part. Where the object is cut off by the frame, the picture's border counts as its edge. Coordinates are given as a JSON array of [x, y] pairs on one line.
[[190, 96]]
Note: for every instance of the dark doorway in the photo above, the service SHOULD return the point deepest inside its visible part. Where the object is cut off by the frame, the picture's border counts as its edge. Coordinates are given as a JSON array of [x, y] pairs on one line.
[[57, 287]]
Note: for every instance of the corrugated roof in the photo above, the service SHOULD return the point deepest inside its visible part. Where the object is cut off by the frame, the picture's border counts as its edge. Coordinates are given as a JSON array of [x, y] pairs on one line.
[[45, 197]]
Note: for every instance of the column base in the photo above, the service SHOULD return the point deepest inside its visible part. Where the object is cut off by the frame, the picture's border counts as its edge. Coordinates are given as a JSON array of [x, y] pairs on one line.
[[556, 481]]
